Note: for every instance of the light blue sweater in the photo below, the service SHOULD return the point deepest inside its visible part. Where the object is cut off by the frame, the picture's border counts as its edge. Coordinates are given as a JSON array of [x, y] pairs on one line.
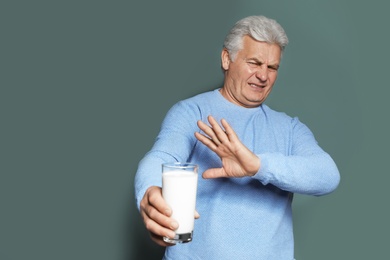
[[241, 218]]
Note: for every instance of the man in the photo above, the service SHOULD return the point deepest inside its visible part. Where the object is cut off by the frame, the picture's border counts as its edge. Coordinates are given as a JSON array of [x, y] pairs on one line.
[[253, 159]]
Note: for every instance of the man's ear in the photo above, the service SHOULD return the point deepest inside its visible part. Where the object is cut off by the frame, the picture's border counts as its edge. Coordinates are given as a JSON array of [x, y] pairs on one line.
[[225, 59]]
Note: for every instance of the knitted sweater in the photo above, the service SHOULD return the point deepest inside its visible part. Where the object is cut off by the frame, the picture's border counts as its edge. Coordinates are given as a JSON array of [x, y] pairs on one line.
[[241, 218]]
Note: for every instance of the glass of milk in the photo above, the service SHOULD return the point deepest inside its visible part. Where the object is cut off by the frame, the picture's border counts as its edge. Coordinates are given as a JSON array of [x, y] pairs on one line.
[[179, 185]]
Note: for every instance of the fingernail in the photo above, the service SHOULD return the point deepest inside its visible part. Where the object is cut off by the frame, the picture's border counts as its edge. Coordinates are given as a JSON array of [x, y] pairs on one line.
[[171, 234], [167, 212], [174, 225]]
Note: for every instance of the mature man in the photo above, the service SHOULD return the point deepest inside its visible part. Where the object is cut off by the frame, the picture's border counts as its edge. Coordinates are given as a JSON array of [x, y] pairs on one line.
[[253, 159]]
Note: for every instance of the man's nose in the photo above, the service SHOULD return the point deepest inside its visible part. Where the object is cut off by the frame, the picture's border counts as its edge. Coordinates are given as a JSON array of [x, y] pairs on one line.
[[262, 73]]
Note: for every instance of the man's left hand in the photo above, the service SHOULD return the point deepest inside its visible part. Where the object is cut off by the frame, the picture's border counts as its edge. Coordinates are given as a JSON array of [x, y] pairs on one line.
[[237, 159]]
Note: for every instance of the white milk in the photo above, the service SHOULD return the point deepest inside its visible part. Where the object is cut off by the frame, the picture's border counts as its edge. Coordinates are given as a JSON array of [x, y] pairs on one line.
[[179, 191]]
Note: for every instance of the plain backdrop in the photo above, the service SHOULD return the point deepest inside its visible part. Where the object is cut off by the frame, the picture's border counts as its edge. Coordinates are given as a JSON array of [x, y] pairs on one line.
[[84, 86]]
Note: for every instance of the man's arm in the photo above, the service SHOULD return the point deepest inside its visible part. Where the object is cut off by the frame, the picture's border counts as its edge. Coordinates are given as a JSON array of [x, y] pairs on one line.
[[174, 143], [308, 170]]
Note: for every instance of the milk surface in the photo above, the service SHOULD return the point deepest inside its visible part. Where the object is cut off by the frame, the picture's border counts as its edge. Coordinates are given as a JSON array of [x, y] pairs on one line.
[[179, 191]]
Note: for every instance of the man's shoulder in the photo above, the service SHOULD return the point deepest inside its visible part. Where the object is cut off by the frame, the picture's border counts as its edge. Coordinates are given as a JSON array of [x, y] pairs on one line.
[[201, 97], [195, 103], [275, 113]]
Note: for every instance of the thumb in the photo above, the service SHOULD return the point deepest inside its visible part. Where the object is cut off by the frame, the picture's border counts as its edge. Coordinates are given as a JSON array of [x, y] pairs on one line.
[[214, 173]]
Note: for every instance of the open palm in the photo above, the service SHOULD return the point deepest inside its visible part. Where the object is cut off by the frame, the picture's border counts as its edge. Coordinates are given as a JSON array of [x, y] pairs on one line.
[[237, 159]]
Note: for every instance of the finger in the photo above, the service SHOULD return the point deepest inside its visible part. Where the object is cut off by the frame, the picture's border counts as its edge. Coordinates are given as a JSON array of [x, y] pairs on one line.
[[149, 212], [209, 132], [154, 215], [206, 141], [159, 240], [156, 200], [214, 173], [156, 228], [160, 211], [217, 129], [196, 215], [229, 130]]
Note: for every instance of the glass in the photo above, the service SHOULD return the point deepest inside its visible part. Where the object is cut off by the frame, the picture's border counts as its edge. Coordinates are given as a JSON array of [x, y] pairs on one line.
[[179, 186]]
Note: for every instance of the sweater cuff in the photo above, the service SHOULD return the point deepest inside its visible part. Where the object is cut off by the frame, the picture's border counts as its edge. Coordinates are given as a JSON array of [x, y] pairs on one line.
[[263, 174]]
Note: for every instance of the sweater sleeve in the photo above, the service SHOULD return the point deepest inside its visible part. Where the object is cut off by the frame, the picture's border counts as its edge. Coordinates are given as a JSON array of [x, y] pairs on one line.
[[307, 169], [174, 143]]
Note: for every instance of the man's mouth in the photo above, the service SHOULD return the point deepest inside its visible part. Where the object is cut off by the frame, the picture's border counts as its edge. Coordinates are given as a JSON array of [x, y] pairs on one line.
[[256, 85]]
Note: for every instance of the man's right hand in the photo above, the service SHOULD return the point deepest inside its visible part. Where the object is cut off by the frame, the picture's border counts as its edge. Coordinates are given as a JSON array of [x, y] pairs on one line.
[[156, 215]]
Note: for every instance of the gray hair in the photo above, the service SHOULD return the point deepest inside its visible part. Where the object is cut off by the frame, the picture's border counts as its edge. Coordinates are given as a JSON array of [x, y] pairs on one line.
[[259, 28]]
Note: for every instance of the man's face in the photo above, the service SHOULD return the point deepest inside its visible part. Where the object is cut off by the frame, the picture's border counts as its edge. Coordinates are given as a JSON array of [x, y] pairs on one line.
[[250, 77]]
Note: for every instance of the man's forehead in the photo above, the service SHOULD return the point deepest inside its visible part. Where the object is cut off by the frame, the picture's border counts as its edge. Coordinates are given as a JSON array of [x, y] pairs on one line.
[[259, 49]]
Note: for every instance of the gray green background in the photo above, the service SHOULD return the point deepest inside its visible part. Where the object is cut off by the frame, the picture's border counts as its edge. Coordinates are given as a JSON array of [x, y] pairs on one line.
[[84, 86]]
